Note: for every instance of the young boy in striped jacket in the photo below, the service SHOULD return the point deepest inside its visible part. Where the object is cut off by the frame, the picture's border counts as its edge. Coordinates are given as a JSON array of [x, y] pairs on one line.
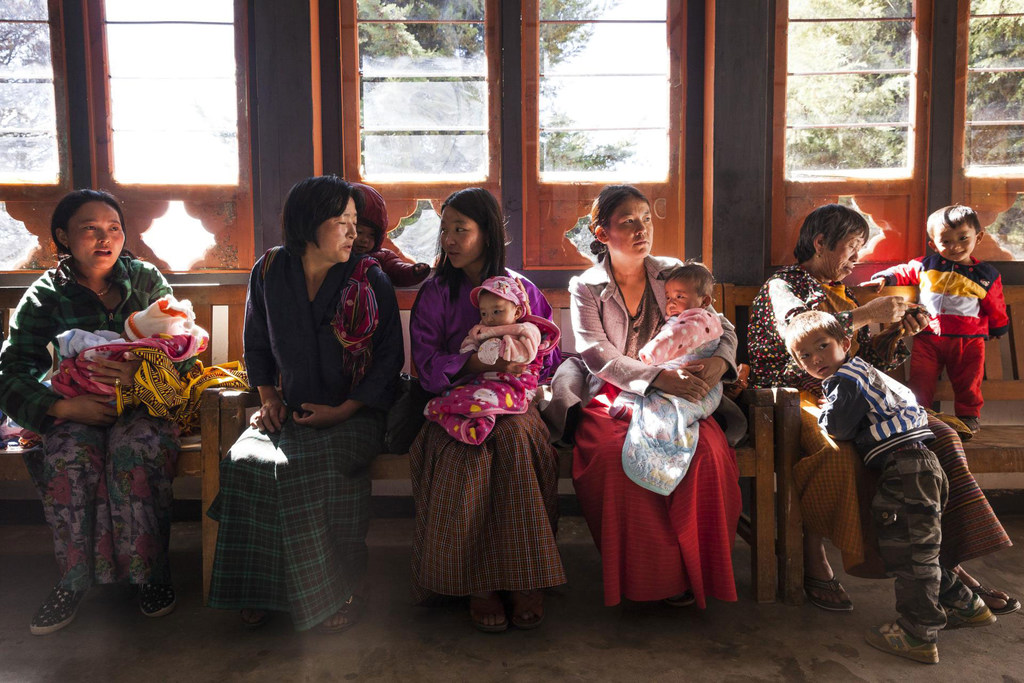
[[964, 298], [889, 428]]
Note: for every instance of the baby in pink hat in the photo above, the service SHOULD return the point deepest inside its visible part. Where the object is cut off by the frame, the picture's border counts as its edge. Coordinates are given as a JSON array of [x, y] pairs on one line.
[[506, 329]]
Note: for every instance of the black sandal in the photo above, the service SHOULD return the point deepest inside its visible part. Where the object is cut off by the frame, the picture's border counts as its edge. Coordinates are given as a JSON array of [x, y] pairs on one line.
[[57, 611], [831, 586], [352, 610], [156, 599]]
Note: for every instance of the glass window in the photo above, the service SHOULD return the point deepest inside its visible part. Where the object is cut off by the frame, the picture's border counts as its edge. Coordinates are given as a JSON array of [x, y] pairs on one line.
[[423, 86], [604, 87], [173, 93], [28, 113], [994, 130], [850, 89]]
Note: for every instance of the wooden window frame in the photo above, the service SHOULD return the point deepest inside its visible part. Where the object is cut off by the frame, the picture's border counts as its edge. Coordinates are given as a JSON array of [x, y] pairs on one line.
[[552, 208], [989, 195], [898, 205], [226, 211], [402, 197]]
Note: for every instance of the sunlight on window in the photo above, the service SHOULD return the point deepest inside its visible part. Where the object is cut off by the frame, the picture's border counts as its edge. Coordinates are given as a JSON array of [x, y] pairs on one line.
[[177, 238], [28, 112], [850, 85], [994, 138], [581, 238], [1007, 230], [16, 242], [173, 95], [416, 234], [604, 90], [423, 90]]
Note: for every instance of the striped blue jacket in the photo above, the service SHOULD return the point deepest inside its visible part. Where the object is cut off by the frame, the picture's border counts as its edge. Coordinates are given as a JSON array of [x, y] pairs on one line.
[[875, 411]]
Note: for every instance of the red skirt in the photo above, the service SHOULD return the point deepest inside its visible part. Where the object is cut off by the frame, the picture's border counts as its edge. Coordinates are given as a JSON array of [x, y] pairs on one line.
[[652, 546]]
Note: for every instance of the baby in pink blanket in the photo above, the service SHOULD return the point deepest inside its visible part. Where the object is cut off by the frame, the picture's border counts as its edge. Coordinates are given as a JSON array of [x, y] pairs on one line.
[[506, 331]]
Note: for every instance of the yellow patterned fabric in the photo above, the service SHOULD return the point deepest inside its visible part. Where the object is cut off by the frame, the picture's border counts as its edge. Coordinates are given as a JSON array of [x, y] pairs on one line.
[[167, 393]]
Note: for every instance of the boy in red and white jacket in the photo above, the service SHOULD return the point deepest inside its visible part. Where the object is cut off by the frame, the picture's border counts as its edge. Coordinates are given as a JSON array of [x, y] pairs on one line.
[[964, 298]]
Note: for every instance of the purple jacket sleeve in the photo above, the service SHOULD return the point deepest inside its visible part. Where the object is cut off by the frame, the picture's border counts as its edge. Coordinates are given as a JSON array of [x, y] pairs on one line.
[[540, 307], [435, 365]]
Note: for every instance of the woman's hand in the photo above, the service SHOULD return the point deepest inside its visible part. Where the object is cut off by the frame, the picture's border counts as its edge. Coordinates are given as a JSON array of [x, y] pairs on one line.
[[89, 409], [113, 372], [709, 370], [915, 320], [271, 413], [683, 383], [884, 309], [319, 416]]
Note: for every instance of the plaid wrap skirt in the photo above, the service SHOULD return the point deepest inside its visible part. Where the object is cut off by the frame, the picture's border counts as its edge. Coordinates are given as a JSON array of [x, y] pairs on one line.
[[294, 508], [835, 491], [485, 515]]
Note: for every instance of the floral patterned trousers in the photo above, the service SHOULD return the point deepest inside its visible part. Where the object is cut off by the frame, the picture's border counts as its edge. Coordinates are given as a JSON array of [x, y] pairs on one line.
[[107, 495]]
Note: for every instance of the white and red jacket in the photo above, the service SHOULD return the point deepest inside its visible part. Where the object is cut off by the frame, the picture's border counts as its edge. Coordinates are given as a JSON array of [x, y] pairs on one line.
[[963, 300]]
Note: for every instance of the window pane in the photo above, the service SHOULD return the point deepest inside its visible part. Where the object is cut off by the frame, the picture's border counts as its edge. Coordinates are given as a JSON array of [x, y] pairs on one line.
[[562, 10], [639, 155], [173, 111], [420, 10], [28, 112], [423, 92], [179, 10], [435, 105], [816, 151], [995, 146], [995, 96], [847, 99], [586, 132], [24, 10], [997, 42], [997, 7], [399, 157], [849, 46], [849, 9]]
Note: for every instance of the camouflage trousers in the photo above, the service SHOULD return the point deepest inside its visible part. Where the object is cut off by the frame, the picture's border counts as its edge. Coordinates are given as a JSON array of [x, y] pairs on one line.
[[907, 512]]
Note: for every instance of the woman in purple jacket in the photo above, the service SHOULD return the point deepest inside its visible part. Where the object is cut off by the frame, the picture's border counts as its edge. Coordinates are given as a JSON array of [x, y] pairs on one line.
[[485, 515]]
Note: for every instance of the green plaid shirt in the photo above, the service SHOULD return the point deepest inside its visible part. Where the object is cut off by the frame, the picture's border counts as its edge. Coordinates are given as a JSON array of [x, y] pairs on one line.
[[54, 304]]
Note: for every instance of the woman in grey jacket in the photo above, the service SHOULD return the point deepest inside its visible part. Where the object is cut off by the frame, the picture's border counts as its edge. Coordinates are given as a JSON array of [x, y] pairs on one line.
[[650, 546]]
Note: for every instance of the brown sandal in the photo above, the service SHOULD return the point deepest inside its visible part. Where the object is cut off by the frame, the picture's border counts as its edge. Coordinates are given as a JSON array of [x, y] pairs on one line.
[[524, 602], [479, 608], [352, 610]]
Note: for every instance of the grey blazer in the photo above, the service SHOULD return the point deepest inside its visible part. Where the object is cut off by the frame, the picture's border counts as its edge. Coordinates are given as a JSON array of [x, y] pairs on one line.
[[600, 321]]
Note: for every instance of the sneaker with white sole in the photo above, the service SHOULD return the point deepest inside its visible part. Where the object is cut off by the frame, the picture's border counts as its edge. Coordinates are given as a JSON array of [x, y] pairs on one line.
[[974, 615], [56, 612], [893, 639]]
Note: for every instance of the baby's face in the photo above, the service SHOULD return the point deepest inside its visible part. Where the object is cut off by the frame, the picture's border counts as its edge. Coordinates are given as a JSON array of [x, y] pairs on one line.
[[681, 295], [364, 239], [496, 311]]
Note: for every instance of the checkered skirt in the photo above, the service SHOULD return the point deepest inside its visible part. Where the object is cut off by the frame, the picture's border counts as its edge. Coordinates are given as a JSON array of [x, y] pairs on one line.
[[485, 515], [294, 510]]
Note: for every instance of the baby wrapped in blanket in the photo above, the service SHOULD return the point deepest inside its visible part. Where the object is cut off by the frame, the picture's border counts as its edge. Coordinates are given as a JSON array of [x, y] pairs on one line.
[[663, 429], [509, 332]]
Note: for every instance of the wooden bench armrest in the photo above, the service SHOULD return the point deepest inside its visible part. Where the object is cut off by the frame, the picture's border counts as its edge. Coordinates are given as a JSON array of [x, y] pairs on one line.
[[781, 396]]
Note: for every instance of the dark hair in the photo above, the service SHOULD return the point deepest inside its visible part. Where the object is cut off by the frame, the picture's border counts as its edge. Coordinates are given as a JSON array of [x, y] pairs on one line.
[[69, 205], [835, 222], [809, 322], [611, 197], [695, 273], [310, 202], [953, 217], [479, 205]]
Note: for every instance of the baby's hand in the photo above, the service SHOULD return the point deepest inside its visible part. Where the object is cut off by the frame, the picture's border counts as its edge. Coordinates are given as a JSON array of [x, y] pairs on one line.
[[420, 269], [875, 284]]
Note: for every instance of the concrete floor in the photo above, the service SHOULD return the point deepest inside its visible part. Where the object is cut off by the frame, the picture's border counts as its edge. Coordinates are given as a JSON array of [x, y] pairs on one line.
[[581, 640]]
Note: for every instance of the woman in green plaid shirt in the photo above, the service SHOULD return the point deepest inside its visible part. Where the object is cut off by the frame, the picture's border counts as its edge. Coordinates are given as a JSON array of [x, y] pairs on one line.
[[105, 480]]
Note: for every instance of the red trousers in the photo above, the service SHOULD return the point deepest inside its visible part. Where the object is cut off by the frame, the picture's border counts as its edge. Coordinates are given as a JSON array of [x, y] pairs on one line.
[[964, 360]]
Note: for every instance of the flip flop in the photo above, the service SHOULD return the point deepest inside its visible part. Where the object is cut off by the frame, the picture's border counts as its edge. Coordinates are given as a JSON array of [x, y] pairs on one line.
[[251, 621], [1011, 606], [831, 586], [489, 606], [352, 610], [527, 601], [684, 599]]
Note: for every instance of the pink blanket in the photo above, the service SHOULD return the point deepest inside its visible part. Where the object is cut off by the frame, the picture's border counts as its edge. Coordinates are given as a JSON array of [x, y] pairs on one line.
[[468, 411]]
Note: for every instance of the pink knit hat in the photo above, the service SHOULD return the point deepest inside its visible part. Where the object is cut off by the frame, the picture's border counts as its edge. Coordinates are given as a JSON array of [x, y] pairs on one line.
[[505, 287]]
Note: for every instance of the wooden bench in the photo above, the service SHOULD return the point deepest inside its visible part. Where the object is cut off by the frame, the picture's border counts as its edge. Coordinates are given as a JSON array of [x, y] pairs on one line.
[[995, 449], [207, 300], [224, 416]]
